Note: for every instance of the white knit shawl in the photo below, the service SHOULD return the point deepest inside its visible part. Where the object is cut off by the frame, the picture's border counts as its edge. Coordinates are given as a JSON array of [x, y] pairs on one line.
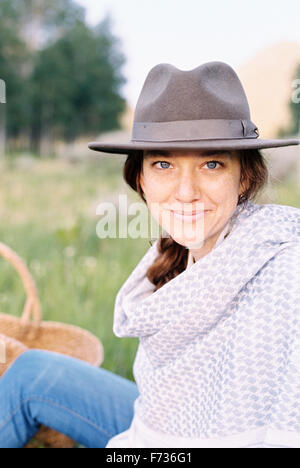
[[219, 348]]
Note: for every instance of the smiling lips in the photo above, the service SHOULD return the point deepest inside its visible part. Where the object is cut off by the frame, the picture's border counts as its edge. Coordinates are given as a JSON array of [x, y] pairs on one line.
[[188, 213], [189, 216]]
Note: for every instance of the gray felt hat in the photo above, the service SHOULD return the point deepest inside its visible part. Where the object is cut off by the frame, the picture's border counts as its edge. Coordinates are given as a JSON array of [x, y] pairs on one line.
[[204, 108]]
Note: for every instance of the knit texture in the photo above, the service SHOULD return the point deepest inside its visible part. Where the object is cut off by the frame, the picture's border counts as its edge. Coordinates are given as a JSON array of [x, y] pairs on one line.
[[219, 349]]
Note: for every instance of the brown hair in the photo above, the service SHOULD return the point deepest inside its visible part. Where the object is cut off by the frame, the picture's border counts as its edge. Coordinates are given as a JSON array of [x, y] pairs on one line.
[[173, 256]]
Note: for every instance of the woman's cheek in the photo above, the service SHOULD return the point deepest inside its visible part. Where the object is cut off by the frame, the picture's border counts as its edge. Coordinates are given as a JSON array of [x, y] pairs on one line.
[[224, 189], [158, 190]]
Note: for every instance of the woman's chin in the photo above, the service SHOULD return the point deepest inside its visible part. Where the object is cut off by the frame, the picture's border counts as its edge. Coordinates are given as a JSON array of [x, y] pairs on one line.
[[189, 243], [190, 235]]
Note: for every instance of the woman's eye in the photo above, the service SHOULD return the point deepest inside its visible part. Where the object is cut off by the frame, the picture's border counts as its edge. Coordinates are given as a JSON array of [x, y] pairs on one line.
[[164, 164], [212, 164]]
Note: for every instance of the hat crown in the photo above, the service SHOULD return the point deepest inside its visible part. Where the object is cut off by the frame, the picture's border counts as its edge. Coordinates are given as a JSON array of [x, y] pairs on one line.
[[200, 109], [211, 91]]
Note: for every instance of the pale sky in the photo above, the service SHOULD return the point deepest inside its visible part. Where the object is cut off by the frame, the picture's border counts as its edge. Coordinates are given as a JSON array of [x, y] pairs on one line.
[[187, 33]]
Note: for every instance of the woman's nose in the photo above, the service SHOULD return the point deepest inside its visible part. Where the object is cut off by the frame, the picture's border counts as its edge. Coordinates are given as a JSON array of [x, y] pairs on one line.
[[187, 189]]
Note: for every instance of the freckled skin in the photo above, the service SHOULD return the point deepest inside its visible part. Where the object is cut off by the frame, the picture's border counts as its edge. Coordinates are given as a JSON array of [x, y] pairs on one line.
[[188, 180]]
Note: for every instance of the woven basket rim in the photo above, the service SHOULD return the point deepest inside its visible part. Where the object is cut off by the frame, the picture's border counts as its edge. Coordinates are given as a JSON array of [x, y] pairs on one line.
[[55, 324], [13, 341], [93, 340]]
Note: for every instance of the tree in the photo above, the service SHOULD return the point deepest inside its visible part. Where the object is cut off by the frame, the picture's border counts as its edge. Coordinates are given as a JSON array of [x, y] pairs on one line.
[[76, 83], [44, 21], [24, 26], [13, 58], [63, 77]]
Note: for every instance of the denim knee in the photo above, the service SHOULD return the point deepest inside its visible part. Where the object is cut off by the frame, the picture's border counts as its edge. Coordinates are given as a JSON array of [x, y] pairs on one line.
[[29, 359], [25, 370]]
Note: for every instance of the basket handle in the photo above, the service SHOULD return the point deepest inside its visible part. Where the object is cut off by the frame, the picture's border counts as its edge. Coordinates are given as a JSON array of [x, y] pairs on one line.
[[32, 305]]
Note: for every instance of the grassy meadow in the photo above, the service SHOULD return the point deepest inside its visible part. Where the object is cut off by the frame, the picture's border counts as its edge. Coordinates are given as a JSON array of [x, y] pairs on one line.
[[48, 214]]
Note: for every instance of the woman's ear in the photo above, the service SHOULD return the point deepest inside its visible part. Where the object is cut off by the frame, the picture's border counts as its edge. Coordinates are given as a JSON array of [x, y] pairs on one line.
[[244, 186], [140, 185], [141, 180], [241, 188], [141, 174]]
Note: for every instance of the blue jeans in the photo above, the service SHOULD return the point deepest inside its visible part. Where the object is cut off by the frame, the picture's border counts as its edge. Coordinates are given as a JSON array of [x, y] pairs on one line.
[[87, 403]]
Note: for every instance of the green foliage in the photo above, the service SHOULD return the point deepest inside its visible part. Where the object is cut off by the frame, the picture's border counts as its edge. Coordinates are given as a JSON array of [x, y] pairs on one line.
[[76, 83], [63, 77], [13, 57], [52, 17]]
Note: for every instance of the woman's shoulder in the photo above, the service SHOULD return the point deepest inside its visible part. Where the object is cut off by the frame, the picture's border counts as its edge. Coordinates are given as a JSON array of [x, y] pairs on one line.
[[275, 209], [269, 222], [284, 210]]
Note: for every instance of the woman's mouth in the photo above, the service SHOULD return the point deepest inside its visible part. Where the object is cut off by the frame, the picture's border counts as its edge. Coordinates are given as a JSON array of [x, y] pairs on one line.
[[189, 216]]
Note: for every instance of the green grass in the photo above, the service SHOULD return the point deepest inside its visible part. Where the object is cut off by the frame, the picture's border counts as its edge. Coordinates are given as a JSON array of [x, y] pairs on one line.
[[48, 218], [288, 192]]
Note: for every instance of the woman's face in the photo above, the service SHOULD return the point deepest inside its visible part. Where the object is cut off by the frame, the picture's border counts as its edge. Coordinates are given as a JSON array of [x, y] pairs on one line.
[[178, 183]]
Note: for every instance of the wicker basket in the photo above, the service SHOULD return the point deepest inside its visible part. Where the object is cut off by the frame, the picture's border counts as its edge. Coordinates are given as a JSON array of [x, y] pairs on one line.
[[10, 349], [29, 331]]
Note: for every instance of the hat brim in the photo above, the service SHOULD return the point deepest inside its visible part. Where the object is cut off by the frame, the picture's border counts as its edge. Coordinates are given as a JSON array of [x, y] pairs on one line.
[[236, 144]]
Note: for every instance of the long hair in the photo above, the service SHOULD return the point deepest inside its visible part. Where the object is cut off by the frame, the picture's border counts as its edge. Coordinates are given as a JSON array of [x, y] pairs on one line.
[[172, 258]]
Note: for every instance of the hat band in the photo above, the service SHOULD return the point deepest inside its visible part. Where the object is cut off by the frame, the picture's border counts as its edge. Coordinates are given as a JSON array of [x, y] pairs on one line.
[[187, 130]]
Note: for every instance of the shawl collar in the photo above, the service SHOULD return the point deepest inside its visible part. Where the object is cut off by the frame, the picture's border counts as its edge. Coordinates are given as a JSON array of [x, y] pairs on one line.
[[206, 290]]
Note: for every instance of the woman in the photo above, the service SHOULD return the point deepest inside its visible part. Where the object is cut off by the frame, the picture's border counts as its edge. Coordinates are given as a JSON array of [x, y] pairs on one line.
[[215, 302]]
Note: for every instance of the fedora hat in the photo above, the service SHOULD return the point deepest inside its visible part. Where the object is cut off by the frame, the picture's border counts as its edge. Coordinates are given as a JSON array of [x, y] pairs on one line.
[[204, 108]]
